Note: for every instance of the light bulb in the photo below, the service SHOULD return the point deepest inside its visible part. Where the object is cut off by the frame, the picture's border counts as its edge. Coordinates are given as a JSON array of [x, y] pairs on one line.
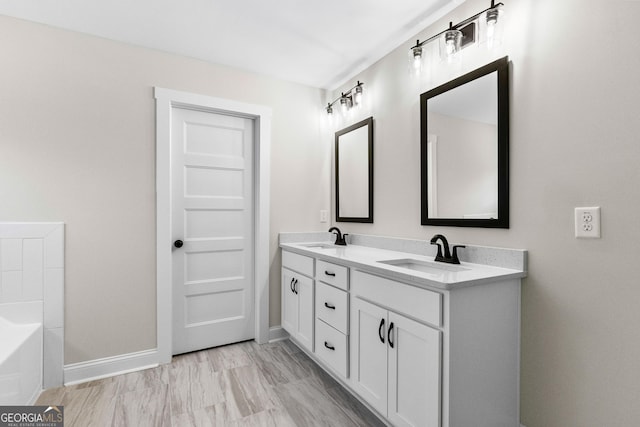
[[451, 47], [329, 110]]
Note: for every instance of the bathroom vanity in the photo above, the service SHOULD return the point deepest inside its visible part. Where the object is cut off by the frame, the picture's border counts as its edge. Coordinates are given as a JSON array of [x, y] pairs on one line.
[[421, 343]]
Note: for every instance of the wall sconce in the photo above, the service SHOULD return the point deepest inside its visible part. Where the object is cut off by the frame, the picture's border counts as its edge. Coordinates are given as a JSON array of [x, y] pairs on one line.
[[348, 100], [458, 36]]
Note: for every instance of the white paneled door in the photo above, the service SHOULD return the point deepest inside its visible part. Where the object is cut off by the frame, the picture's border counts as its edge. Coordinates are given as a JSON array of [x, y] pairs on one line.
[[212, 228]]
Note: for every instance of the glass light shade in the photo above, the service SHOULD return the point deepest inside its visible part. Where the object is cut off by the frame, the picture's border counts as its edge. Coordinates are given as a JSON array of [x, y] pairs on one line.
[[450, 44], [493, 27], [357, 97], [329, 110], [345, 104], [415, 58]]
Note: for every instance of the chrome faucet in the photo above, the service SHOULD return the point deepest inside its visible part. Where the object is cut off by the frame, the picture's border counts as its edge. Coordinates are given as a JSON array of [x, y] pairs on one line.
[[340, 238], [448, 258]]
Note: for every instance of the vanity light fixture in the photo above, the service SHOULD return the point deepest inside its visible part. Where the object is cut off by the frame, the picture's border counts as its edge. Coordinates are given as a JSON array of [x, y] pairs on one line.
[[349, 99], [458, 36]]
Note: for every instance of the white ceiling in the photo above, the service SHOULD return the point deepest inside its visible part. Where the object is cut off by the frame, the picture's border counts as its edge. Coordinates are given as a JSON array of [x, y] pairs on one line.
[[318, 43]]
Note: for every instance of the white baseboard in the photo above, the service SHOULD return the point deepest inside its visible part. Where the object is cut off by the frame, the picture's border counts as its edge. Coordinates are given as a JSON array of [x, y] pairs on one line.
[[277, 333], [109, 366]]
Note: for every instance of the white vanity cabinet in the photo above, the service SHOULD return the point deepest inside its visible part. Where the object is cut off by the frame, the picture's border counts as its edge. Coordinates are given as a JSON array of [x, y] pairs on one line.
[[395, 361], [434, 349], [298, 297]]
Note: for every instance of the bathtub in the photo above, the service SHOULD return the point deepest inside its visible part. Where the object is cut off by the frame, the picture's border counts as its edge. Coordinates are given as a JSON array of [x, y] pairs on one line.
[[20, 354]]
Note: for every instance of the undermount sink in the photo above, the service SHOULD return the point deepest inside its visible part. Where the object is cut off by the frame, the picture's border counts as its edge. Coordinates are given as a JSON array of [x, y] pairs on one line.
[[319, 246], [429, 267]]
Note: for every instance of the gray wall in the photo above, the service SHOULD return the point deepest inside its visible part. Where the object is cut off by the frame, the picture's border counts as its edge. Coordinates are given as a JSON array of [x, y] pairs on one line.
[[77, 144], [575, 126]]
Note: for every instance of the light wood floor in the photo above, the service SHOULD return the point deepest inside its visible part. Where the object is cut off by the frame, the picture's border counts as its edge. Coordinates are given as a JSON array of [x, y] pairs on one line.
[[245, 384]]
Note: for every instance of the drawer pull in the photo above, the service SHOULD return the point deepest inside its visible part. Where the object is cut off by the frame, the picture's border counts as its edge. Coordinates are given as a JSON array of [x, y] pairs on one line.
[[295, 287], [329, 273], [389, 334], [291, 285], [326, 344], [332, 307], [381, 331]]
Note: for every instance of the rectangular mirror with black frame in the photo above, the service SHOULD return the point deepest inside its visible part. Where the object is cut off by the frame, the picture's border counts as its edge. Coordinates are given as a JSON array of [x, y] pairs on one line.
[[464, 130], [354, 173]]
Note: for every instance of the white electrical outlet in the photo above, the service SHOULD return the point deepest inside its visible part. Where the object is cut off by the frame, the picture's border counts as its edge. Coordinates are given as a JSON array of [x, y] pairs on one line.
[[324, 215], [587, 222]]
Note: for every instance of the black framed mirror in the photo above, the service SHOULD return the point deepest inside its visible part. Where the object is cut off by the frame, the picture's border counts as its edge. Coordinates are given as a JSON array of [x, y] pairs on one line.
[[354, 172], [464, 131]]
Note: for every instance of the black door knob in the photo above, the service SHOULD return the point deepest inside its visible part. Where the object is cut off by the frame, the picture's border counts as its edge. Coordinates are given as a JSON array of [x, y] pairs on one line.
[[178, 243]]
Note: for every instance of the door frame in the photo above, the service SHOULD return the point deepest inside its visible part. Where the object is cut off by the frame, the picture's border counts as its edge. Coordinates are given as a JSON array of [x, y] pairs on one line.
[[166, 99]]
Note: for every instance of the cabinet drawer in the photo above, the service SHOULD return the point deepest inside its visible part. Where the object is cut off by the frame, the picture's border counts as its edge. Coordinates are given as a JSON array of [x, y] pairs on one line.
[[332, 306], [332, 274], [300, 263], [421, 304], [331, 348]]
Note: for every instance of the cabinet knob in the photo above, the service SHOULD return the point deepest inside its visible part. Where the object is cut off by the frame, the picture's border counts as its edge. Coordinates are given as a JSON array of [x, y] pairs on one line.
[[178, 243]]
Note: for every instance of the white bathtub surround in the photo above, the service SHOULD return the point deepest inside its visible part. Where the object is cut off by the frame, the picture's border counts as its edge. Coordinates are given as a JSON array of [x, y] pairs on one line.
[[32, 273]]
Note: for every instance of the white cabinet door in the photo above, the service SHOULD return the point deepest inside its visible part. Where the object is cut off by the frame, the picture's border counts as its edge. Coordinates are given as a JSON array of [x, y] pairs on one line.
[[369, 353], [289, 303], [297, 307], [303, 287], [414, 373]]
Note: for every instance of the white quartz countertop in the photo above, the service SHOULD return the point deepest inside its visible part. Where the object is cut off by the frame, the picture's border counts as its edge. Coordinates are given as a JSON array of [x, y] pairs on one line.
[[367, 259]]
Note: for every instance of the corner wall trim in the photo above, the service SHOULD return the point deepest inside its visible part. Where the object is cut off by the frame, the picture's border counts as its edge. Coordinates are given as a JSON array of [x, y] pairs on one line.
[[75, 373]]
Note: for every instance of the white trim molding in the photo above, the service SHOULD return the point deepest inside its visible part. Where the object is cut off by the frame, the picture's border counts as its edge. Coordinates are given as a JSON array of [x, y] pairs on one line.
[[109, 366], [165, 100]]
